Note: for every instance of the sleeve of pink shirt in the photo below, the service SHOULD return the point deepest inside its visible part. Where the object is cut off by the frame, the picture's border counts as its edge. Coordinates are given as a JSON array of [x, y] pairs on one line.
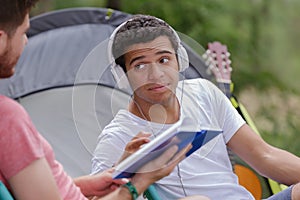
[[20, 142]]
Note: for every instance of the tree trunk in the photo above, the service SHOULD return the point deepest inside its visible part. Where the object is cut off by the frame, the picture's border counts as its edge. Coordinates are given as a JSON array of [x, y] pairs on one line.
[[114, 4]]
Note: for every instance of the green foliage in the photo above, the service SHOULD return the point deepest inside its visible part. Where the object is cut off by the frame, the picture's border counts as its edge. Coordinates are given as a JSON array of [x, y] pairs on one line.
[[78, 3], [287, 141], [261, 80], [49, 5]]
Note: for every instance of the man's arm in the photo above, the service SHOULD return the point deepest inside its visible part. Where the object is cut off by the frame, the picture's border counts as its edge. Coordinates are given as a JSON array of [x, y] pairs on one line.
[[35, 182], [267, 160]]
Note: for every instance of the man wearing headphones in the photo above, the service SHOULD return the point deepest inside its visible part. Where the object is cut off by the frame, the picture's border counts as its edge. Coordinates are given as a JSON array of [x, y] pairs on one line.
[[147, 55]]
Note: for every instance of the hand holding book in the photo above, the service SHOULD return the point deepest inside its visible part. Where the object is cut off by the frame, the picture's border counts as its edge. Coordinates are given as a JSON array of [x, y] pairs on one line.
[[155, 169], [135, 144]]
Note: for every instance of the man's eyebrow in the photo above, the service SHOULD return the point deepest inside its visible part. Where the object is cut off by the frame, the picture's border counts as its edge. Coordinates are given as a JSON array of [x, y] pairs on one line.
[[163, 52], [136, 58], [157, 53]]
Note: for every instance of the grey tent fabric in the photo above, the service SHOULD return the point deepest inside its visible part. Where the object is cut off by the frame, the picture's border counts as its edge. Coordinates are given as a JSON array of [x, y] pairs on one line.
[[71, 118], [64, 82], [59, 43]]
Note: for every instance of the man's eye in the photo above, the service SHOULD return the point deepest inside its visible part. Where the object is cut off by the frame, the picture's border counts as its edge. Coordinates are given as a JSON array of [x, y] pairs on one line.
[[140, 66], [164, 60]]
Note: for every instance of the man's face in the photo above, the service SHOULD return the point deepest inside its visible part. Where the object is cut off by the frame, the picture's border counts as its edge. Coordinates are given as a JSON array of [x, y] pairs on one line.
[[11, 49], [152, 70]]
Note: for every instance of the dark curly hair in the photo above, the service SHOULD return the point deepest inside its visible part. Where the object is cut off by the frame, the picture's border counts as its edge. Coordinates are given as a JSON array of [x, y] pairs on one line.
[[12, 14], [140, 29]]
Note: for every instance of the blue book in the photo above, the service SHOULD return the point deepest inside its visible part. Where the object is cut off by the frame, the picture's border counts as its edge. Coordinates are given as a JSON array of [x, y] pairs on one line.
[[181, 134]]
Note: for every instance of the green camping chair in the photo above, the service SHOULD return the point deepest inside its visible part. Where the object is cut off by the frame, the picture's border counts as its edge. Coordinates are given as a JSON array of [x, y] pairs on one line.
[[151, 193], [4, 193]]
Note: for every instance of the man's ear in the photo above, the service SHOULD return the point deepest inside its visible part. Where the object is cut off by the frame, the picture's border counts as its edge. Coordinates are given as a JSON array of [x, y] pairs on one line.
[[3, 41]]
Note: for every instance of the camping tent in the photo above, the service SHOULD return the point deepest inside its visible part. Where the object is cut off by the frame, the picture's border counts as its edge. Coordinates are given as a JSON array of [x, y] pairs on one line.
[[64, 82]]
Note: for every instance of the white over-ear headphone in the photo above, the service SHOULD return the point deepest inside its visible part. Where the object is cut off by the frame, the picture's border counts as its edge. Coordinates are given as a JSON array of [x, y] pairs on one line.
[[118, 72]]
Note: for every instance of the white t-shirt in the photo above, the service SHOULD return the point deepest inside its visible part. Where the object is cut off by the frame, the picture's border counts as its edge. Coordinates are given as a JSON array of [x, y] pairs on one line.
[[207, 171]]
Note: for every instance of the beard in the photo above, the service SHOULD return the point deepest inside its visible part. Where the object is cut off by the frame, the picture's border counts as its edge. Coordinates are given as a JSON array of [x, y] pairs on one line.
[[8, 62]]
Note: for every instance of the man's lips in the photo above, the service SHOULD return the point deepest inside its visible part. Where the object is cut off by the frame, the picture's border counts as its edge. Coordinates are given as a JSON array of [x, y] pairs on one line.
[[158, 87]]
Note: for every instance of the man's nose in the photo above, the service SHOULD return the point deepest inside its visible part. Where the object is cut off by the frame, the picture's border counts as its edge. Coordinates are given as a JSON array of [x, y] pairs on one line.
[[155, 71]]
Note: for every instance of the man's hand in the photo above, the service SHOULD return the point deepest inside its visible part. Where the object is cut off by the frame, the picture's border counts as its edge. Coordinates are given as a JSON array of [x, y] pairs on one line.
[[159, 167], [99, 184], [135, 144]]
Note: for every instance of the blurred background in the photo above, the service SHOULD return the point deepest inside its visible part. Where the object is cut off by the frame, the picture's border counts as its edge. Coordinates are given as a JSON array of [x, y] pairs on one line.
[[262, 37]]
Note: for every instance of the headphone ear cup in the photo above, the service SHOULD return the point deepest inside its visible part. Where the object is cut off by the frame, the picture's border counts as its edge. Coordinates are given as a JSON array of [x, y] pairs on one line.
[[183, 58], [120, 77]]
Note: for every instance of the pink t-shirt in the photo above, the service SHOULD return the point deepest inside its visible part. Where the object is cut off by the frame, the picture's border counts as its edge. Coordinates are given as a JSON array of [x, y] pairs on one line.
[[21, 144]]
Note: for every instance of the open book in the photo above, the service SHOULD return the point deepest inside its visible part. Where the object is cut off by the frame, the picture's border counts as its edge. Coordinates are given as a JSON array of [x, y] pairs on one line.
[[181, 134]]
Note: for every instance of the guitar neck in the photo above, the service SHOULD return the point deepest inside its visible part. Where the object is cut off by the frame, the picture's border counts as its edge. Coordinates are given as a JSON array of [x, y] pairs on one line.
[[218, 62]]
